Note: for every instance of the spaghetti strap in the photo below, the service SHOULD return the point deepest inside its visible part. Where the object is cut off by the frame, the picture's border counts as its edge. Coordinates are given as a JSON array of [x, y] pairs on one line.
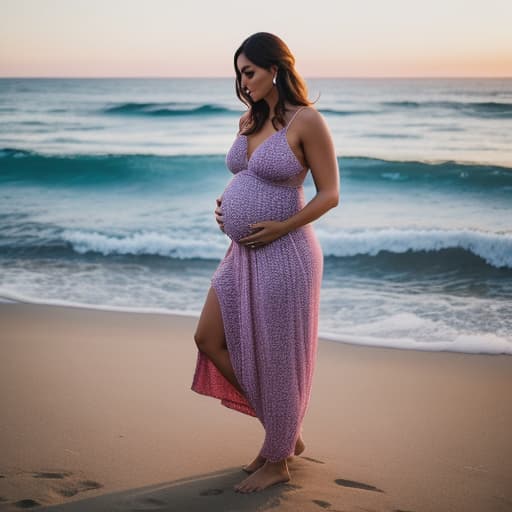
[[293, 117]]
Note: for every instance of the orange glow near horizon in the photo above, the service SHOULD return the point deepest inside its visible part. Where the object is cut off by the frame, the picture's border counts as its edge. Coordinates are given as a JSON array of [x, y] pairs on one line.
[[337, 39]]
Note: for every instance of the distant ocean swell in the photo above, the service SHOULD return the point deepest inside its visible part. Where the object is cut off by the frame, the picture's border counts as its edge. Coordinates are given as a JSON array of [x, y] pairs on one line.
[[20, 166], [477, 109], [167, 109], [436, 174], [486, 109], [494, 250], [181, 109]]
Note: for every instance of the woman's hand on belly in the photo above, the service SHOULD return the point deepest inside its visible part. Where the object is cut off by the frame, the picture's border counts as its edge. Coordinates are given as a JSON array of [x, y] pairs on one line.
[[264, 233], [218, 214]]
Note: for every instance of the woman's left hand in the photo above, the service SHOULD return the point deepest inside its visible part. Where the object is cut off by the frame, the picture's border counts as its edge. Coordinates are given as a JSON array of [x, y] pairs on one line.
[[264, 232]]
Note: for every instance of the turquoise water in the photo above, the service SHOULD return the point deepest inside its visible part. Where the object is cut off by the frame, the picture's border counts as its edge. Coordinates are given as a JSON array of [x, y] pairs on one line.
[[107, 191]]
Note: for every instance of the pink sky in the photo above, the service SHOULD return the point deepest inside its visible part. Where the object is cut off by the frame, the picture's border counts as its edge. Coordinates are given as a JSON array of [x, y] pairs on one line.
[[328, 38]]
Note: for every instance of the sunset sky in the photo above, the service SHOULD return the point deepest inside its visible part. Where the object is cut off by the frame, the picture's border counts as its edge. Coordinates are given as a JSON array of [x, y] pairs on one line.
[[165, 38]]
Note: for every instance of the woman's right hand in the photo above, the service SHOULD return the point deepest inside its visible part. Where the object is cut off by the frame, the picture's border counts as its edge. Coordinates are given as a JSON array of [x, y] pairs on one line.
[[218, 214]]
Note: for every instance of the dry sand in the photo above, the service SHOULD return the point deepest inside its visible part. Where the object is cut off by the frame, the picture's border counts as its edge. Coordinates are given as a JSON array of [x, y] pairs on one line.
[[97, 415]]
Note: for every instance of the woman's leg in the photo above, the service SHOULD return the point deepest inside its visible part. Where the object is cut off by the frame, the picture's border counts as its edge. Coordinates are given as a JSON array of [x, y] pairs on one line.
[[260, 460], [211, 339]]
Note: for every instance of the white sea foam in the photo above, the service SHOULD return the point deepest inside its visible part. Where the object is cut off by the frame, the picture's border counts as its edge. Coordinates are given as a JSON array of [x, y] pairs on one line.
[[404, 326], [147, 242], [8, 296], [494, 248], [483, 343], [401, 331]]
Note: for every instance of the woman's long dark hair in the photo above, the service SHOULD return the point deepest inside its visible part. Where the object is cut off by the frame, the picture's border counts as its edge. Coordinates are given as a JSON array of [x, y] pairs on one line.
[[265, 50]]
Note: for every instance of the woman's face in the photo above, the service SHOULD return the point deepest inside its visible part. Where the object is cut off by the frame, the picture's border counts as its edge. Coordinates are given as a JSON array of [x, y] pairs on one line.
[[255, 81]]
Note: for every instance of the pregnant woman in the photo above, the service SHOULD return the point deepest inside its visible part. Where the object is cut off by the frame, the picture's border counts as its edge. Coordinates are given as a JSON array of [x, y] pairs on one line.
[[257, 333]]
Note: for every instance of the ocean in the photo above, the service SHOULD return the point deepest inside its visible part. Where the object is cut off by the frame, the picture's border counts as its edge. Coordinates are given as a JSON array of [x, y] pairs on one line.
[[108, 186]]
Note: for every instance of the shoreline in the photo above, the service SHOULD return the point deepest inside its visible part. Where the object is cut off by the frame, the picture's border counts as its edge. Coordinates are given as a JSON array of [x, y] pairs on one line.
[[103, 399], [469, 345]]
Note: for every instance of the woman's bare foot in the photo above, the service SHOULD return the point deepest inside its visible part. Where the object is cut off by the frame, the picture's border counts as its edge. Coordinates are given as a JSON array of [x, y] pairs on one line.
[[255, 464], [259, 460], [270, 473]]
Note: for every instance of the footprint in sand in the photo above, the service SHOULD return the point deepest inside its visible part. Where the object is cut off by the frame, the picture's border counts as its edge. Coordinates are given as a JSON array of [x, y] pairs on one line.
[[322, 503], [313, 460], [83, 485], [64, 483], [51, 475], [154, 501], [326, 505], [69, 488], [211, 492], [357, 485], [28, 503]]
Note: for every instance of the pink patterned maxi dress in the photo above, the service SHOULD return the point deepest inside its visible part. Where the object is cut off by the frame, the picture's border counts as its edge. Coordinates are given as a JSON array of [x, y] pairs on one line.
[[269, 296]]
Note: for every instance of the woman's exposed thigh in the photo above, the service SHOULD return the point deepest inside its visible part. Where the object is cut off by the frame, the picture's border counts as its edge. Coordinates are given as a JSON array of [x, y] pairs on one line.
[[210, 328]]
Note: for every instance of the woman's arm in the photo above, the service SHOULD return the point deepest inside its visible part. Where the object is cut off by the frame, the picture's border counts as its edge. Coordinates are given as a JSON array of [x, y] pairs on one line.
[[321, 157]]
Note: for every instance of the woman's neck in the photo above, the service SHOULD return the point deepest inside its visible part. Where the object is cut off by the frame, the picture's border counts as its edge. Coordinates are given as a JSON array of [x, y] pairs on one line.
[[271, 98]]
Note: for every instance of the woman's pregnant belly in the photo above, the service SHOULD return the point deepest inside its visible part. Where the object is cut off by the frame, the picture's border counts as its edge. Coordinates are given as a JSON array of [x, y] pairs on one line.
[[248, 199]]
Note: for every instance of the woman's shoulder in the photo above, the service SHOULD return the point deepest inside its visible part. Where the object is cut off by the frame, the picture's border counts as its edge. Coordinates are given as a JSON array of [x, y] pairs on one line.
[[308, 114], [308, 119]]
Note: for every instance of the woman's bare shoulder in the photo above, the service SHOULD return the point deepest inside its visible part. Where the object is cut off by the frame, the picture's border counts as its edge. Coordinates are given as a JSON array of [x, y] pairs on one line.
[[310, 115], [310, 121]]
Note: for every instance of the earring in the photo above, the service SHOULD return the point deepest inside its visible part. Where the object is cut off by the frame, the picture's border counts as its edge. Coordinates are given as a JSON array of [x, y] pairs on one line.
[[274, 79]]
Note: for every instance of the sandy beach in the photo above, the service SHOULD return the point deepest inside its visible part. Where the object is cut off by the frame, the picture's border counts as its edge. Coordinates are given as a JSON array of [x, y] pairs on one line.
[[98, 415]]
